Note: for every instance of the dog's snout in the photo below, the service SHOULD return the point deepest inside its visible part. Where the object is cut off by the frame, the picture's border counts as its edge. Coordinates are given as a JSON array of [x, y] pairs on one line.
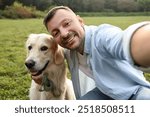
[[30, 64]]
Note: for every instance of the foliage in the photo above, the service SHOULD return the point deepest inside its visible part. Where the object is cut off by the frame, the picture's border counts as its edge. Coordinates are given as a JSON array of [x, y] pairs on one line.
[[102, 5], [144, 5], [36, 8], [127, 5], [14, 78], [17, 10], [85, 5], [112, 13], [4, 3], [38, 4]]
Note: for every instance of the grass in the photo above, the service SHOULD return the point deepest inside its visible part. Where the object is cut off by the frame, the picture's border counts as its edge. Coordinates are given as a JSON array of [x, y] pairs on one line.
[[14, 78], [122, 22]]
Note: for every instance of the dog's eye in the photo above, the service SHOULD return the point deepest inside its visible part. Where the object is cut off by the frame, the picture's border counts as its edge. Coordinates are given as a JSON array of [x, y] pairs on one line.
[[44, 48], [29, 47]]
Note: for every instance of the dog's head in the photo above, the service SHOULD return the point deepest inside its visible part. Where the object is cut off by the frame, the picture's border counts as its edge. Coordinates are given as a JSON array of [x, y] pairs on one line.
[[42, 51]]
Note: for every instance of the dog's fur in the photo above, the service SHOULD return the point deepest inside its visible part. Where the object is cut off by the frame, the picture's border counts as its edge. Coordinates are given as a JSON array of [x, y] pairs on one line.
[[41, 49]]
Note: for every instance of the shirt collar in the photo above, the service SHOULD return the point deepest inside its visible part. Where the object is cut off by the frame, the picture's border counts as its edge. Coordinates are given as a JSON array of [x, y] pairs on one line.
[[88, 37]]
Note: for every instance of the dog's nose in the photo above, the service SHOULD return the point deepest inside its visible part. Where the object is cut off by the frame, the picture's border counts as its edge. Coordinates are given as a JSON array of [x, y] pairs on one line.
[[30, 64]]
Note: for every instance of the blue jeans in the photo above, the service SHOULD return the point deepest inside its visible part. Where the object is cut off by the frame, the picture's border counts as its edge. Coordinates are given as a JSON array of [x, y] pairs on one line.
[[95, 94], [143, 93]]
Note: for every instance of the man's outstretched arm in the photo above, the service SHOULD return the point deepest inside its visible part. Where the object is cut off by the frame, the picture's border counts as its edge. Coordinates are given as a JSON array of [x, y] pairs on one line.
[[140, 46]]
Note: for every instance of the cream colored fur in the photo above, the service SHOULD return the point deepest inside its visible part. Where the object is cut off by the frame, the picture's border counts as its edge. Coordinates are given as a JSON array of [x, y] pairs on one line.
[[42, 48]]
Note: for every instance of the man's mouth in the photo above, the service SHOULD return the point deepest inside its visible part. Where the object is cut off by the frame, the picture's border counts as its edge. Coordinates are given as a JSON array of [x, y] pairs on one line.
[[69, 41], [36, 73]]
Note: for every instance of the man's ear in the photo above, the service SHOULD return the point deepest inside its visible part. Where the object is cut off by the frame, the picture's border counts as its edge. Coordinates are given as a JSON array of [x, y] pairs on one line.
[[59, 56], [80, 19]]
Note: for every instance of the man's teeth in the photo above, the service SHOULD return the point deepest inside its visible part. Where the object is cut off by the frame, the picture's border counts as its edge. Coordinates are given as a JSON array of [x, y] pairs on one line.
[[71, 39]]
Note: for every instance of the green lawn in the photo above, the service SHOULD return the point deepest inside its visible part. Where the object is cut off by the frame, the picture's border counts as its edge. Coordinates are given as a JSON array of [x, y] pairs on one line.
[[14, 78]]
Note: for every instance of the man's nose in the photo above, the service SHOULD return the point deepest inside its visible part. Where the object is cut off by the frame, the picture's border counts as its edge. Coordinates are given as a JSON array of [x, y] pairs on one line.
[[64, 33]]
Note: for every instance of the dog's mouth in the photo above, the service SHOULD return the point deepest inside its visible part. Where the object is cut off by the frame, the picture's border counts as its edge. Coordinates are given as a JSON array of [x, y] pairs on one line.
[[36, 73]]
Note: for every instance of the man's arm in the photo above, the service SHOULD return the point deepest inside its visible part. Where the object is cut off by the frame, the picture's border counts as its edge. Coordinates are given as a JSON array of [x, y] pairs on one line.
[[140, 46]]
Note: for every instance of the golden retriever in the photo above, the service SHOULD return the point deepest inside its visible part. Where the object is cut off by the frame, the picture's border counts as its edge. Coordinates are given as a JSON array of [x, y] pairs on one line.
[[45, 57]]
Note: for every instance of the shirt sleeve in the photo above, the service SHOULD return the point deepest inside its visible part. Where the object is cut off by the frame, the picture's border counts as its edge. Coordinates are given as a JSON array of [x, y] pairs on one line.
[[109, 42]]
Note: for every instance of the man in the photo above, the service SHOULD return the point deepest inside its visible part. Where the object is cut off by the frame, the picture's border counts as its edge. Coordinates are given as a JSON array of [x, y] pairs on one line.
[[105, 53]]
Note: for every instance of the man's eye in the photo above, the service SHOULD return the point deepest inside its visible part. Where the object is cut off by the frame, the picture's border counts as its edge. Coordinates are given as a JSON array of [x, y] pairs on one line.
[[55, 34], [67, 24], [44, 48], [29, 47]]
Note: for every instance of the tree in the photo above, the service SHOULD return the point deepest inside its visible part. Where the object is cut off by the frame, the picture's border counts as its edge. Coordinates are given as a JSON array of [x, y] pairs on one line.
[[4, 3], [92, 5], [127, 5], [39, 4], [111, 4], [42, 4], [97, 5], [144, 5]]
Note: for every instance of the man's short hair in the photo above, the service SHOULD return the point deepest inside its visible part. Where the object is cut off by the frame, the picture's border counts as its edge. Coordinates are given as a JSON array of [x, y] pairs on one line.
[[52, 12]]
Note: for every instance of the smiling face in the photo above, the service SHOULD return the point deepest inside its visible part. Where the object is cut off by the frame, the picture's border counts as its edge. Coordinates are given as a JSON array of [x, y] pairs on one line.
[[67, 29], [41, 50]]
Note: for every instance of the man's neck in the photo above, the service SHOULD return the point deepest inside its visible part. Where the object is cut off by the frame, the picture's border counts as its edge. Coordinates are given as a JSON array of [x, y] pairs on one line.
[[81, 47]]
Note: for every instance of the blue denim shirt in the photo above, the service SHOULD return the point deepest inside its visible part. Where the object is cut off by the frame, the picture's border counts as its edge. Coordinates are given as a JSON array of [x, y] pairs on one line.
[[108, 55], [114, 72]]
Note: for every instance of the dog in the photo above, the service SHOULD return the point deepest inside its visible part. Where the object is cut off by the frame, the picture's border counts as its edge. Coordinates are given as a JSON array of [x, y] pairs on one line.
[[45, 57]]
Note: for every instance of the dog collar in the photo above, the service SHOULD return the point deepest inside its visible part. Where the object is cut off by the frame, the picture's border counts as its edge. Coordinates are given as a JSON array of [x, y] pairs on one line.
[[46, 84]]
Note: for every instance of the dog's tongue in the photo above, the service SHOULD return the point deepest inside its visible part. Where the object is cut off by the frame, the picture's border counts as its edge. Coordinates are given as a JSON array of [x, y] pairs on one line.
[[34, 73]]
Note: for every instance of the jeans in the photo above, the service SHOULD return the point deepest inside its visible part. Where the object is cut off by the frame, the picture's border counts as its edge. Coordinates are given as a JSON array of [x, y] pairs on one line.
[[143, 93], [95, 94]]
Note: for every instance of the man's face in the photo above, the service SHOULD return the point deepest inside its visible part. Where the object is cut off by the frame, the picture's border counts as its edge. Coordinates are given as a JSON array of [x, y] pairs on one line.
[[67, 29]]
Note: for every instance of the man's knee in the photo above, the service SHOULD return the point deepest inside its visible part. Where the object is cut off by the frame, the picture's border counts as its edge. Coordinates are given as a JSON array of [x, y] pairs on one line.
[[142, 94]]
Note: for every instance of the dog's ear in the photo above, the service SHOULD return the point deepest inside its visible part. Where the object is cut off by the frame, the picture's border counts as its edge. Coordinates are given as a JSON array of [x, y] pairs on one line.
[[58, 52], [59, 56]]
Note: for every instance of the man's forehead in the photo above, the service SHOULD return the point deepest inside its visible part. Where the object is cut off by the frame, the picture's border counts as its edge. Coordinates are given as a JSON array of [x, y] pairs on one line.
[[60, 16]]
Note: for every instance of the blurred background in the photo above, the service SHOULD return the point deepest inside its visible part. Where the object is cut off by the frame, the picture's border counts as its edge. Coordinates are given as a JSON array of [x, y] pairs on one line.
[[35, 8]]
